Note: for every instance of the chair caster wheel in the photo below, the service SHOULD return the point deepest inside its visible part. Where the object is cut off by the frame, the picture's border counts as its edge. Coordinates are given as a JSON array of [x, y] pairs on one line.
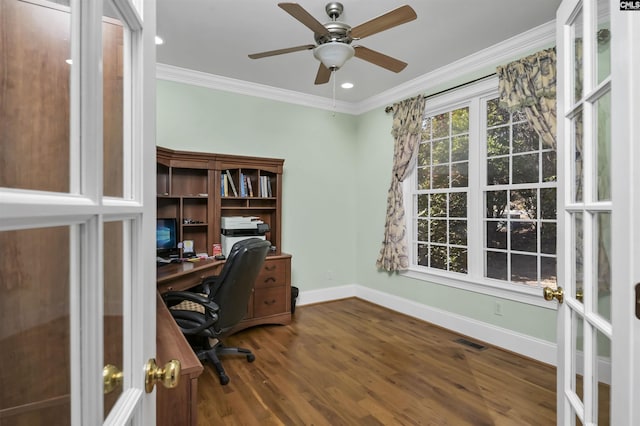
[[224, 379], [251, 357]]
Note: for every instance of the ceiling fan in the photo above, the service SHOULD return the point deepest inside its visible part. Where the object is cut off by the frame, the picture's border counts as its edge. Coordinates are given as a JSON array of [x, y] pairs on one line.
[[333, 39]]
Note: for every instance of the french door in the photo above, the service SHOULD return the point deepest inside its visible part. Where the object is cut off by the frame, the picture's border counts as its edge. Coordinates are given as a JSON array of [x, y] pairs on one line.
[[599, 199], [77, 158]]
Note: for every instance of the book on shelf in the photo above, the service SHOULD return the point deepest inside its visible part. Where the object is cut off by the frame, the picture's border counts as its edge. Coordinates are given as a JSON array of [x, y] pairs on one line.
[[243, 185], [222, 185], [265, 186], [233, 186], [250, 186], [226, 185]]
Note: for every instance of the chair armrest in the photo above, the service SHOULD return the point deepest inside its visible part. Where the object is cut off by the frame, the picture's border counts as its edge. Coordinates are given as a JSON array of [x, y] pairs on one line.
[[191, 322]]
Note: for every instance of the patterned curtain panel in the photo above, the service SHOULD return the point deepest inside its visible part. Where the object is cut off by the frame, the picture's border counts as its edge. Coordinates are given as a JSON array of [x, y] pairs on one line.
[[407, 124], [529, 85]]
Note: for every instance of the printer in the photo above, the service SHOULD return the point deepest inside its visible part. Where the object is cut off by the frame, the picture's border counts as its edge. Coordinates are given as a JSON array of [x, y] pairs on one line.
[[238, 228]]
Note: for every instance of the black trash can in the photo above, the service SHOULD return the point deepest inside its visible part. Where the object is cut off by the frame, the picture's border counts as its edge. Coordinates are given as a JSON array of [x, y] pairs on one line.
[[294, 296]]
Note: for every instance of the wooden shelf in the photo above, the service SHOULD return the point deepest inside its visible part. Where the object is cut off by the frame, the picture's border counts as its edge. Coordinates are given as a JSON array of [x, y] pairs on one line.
[[183, 176]]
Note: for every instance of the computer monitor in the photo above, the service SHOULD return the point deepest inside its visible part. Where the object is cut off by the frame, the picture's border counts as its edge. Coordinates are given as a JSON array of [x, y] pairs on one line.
[[166, 237]]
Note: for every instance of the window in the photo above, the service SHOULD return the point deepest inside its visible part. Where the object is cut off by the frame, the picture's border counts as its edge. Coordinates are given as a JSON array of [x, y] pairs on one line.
[[520, 200], [482, 195], [443, 184]]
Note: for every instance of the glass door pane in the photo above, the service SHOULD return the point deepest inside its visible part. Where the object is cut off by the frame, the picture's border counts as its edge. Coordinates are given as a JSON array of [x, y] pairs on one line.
[[603, 147], [602, 266], [113, 102], [35, 108], [576, 45], [113, 308], [35, 336], [603, 37], [602, 379]]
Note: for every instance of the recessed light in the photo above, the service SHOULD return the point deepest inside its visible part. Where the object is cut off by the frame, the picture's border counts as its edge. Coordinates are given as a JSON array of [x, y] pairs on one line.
[[159, 40], [346, 85]]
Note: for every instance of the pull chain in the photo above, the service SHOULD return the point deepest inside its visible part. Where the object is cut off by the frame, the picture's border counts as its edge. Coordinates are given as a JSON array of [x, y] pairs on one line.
[[333, 75]]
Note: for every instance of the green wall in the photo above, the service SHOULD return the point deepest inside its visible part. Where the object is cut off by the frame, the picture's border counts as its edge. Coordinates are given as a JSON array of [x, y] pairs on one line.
[[336, 175], [319, 189]]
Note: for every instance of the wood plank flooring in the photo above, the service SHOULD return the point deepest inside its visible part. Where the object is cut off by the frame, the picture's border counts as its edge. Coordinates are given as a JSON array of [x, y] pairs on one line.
[[350, 362]]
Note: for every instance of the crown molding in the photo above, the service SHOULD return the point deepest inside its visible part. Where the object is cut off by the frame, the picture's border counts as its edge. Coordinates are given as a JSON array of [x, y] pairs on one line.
[[537, 38], [216, 82]]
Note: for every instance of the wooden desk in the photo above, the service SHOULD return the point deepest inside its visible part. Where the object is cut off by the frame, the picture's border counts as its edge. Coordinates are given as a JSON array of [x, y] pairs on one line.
[[181, 276], [177, 406]]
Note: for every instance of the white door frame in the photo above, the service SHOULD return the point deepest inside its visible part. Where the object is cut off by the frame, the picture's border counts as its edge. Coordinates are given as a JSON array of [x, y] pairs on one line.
[[625, 134], [624, 329]]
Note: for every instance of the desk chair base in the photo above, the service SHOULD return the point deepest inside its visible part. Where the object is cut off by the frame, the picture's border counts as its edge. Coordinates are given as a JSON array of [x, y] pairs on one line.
[[211, 354]]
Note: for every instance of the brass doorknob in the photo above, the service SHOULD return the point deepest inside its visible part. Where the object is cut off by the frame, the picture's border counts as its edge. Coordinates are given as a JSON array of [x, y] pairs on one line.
[[112, 378], [549, 293], [168, 376]]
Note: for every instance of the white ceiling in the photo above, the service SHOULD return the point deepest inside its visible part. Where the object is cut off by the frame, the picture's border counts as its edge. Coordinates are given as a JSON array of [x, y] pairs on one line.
[[215, 37]]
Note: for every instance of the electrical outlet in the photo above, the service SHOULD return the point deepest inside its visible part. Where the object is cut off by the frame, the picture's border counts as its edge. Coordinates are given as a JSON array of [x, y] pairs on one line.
[[497, 308]]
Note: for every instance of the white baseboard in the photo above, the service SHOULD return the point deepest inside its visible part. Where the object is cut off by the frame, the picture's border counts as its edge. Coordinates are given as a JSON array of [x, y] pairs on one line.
[[531, 347]]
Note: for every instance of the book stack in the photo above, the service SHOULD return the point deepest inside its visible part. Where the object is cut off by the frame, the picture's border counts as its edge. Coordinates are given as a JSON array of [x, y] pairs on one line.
[[265, 186]]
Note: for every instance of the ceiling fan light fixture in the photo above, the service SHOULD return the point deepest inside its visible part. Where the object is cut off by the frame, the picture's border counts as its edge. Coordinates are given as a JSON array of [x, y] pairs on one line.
[[333, 55]]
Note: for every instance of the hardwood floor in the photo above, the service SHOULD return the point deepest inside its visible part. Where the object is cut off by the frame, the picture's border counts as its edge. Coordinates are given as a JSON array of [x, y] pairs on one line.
[[350, 362]]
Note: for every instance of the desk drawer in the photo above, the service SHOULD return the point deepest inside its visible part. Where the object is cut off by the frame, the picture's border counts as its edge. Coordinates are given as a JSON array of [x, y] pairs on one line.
[[273, 273], [269, 301]]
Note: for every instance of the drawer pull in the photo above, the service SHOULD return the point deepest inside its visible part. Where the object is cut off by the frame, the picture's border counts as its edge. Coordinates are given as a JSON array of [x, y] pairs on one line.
[[269, 280], [270, 302], [270, 268]]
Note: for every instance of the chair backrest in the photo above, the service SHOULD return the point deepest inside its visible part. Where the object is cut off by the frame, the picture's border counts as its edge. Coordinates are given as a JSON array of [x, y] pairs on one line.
[[236, 281]]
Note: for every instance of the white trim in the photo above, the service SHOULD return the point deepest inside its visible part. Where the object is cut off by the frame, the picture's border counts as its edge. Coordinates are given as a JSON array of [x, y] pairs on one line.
[[508, 291], [625, 177], [531, 347], [125, 408], [529, 41], [210, 81], [129, 14]]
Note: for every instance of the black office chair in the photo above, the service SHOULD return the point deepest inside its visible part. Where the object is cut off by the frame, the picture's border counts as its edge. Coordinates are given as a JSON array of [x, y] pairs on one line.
[[210, 311]]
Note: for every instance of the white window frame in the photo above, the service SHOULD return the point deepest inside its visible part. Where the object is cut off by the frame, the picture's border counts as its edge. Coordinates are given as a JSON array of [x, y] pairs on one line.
[[472, 96]]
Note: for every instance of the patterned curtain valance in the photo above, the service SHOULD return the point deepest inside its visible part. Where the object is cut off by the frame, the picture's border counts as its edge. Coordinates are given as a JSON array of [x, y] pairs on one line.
[[529, 85], [525, 81]]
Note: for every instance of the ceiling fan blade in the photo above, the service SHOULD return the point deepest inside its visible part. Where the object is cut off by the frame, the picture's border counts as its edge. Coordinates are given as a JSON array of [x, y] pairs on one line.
[[398, 16], [281, 51], [298, 12], [379, 59], [323, 75]]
